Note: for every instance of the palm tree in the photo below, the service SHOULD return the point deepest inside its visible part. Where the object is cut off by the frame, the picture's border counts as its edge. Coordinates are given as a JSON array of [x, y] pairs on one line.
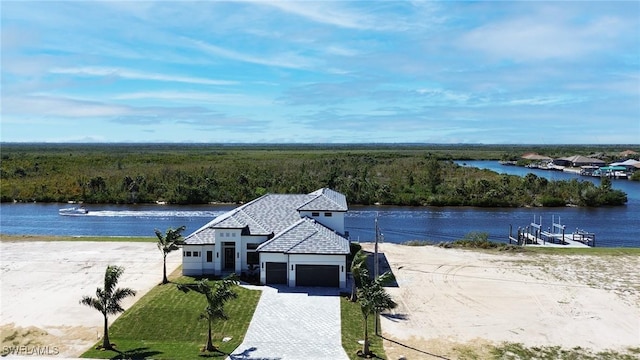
[[358, 265], [217, 295], [107, 300], [168, 243], [373, 298]]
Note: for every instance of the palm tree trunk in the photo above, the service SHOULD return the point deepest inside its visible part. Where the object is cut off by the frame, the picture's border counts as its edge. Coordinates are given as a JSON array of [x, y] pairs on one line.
[[210, 346], [365, 346], [164, 269], [353, 297], [106, 344]]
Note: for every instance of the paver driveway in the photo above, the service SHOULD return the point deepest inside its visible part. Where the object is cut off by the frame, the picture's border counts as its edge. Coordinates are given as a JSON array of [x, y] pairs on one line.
[[294, 323]]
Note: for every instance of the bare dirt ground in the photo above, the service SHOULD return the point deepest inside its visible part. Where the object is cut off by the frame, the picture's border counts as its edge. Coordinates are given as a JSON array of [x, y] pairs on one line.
[[456, 303], [42, 283]]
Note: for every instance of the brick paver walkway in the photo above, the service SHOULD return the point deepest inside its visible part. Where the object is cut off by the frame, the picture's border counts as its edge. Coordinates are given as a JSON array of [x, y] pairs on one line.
[[294, 323]]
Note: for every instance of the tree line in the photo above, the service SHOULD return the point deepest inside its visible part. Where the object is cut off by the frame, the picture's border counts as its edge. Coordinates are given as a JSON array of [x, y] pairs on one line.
[[415, 176]]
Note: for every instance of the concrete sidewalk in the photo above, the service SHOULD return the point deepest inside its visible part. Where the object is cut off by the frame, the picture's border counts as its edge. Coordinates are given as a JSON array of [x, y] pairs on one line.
[[294, 323]]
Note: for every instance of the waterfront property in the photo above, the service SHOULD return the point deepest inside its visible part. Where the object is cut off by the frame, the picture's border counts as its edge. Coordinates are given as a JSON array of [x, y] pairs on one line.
[[292, 239]]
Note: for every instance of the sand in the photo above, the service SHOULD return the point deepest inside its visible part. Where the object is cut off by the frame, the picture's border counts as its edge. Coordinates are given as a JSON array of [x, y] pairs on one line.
[[42, 283], [454, 302]]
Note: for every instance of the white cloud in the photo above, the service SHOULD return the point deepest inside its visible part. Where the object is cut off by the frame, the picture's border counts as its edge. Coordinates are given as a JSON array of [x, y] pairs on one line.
[[137, 75], [49, 106], [283, 59], [536, 37], [324, 12], [237, 99]]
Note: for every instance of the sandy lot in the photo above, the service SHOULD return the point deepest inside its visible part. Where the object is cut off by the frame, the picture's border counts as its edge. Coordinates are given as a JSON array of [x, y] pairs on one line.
[[43, 282], [454, 302]]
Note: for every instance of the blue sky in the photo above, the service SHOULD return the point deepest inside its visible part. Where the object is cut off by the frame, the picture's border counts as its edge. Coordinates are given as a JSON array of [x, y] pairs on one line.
[[321, 72]]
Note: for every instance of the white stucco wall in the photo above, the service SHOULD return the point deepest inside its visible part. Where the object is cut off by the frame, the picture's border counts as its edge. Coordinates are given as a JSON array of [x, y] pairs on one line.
[[191, 265], [334, 222]]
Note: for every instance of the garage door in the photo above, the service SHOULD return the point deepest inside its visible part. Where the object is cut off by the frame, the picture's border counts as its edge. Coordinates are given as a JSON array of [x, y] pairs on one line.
[[276, 273], [318, 275]]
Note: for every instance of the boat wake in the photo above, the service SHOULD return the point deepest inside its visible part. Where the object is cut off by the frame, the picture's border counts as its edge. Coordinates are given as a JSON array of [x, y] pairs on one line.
[[154, 214]]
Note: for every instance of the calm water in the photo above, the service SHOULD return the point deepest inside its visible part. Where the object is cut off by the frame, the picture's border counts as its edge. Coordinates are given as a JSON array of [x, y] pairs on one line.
[[616, 226]]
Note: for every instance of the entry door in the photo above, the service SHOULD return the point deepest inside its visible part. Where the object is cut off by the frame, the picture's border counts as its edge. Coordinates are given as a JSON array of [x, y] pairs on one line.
[[229, 258]]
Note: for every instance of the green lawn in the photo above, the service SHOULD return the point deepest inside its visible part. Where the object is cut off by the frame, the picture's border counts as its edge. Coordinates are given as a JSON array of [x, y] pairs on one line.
[[353, 330], [165, 324]]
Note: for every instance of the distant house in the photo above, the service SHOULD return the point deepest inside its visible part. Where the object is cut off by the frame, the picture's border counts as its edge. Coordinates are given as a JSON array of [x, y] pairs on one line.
[[630, 165], [292, 239], [535, 156], [578, 161], [627, 154]]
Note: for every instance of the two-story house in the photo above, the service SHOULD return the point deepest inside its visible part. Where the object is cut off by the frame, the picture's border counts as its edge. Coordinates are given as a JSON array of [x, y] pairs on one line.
[[292, 239]]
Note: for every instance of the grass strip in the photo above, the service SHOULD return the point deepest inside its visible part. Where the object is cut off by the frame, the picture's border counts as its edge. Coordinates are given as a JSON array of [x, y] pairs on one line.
[[165, 324], [353, 330]]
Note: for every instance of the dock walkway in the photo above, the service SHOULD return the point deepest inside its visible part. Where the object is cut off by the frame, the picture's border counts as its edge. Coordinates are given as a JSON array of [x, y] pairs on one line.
[[536, 236]]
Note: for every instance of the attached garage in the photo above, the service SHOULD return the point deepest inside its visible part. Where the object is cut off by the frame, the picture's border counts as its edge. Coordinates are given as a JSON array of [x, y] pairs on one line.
[[318, 275], [306, 254], [276, 272]]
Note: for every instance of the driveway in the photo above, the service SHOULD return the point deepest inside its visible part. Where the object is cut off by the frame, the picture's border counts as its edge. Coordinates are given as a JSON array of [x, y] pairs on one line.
[[294, 323]]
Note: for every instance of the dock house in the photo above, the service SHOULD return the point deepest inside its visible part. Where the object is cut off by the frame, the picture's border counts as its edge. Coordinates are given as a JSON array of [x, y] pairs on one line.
[[578, 161]]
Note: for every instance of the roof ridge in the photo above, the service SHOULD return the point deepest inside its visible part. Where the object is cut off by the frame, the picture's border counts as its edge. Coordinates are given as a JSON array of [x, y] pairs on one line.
[[320, 193], [329, 197], [315, 231], [242, 208]]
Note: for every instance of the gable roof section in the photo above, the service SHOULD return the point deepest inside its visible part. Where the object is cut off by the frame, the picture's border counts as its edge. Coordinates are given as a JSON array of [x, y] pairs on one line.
[[535, 156], [270, 214], [307, 236], [630, 162], [204, 235], [579, 159], [325, 200]]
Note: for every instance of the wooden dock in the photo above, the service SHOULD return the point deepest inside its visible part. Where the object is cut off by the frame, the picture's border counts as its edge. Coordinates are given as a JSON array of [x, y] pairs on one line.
[[533, 235]]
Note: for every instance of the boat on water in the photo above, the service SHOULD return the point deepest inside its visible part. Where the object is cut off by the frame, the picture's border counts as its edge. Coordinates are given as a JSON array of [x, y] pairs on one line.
[[73, 211]]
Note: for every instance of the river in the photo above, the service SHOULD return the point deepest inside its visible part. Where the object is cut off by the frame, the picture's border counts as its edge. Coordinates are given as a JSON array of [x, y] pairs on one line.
[[613, 226]]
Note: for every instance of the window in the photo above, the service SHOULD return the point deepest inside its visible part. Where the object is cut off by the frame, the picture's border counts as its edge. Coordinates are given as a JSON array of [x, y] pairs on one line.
[[209, 256], [328, 214], [315, 214], [252, 256], [187, 253], [196, 253]]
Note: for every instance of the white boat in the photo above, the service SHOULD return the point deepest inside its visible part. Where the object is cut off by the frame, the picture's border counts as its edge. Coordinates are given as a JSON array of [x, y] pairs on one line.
[[73, 211]]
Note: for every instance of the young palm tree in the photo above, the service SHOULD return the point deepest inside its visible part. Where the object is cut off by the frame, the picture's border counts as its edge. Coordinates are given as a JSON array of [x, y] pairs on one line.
[[107, 299], [358, 265], [373, 298], [217, 295], [168, 243]]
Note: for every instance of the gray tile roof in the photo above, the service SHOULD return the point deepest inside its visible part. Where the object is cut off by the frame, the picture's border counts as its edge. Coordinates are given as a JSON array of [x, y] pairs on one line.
[[270, 214], [307, 237], [326, 200], [203, 236]]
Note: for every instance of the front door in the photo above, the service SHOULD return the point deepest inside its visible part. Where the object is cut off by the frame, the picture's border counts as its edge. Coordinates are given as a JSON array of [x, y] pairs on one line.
[[229, 258]]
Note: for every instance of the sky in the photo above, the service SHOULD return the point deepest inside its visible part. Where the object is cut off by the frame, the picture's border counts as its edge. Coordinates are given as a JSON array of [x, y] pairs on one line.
[[492, 72]]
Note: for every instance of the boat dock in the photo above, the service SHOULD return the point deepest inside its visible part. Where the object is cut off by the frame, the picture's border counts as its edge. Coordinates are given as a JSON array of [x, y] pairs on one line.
[[555, 236]]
